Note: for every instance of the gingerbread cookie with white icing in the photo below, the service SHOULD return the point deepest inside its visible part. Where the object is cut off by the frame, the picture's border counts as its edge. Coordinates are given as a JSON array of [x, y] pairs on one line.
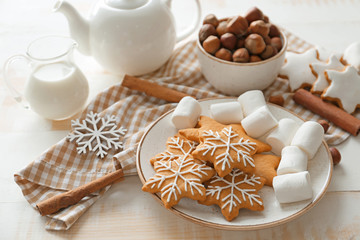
[[226, 146], [179, 178], [177, 147], [235, 191], [297, 69], [318, 69], [206, 123], [344, 88], [266, 166]]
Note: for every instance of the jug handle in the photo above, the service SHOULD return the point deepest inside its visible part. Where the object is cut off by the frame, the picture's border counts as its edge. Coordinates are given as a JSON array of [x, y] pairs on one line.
[[185, 33], [8, 83]]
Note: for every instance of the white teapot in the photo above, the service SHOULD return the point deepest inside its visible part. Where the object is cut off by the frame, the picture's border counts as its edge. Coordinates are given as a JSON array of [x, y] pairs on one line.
[[127, 36]]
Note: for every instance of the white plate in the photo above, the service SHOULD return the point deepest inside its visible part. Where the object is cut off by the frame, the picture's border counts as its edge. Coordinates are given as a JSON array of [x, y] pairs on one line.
[[320, 168]]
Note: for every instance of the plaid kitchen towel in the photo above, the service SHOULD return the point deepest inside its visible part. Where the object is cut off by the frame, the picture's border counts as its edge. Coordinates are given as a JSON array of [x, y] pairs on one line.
[[61, 168]]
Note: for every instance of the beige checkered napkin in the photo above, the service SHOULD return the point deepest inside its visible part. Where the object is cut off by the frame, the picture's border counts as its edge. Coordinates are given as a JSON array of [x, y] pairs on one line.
[[61, 168]]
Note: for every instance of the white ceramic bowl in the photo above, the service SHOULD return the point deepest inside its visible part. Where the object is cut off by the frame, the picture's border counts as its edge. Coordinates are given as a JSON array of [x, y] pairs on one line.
[[234, 78]]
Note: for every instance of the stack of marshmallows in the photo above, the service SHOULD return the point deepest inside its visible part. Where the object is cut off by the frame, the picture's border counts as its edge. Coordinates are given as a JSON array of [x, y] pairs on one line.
[[296, 144]]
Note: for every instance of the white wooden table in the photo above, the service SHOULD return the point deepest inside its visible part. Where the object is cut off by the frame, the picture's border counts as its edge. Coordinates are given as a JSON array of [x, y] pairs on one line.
[[125, 211]]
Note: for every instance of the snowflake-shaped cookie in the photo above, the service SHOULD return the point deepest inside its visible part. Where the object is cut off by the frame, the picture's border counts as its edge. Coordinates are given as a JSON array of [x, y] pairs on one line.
[[179, 178], [318, 70], [297, 70], [233, 192], [344, 88], [226, 150], [96, 133], [176, 148]]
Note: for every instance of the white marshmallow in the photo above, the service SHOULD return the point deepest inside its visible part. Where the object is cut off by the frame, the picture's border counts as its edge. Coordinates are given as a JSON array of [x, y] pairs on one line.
[[186, 113], [308, 137], [227, 113], [293, 187], [293, 160], [282, 135], [259, 122], [251, 101]]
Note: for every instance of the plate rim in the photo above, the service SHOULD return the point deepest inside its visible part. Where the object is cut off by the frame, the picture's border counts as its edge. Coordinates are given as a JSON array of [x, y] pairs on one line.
[[234, 227]]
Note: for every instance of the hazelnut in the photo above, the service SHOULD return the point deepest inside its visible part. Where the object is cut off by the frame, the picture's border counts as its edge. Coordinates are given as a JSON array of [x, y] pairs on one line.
[[335, 154], [267, 53], [267, 40], [255, 43], [274, 31], [211, 19], [221, 28], [278, 100], [266, 19], [237, 25], [241, 55], [276, 42], [325, 124], [211, 44], [255, 58], [240, 43], [275, 51], [260, 27], [224, 54], [228, 40], [254, 14], [206, 30]]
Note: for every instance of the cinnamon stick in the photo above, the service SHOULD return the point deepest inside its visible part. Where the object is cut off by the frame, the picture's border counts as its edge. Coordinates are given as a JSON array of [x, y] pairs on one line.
[[153, 89], [54, 204], [328, 111]]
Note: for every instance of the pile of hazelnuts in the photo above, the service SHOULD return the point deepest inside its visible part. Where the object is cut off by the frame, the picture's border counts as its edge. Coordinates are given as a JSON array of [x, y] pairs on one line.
[[251, 38]]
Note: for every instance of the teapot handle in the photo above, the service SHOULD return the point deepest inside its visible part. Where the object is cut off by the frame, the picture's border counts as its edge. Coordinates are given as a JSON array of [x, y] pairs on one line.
[[185, 33], [8, 83]]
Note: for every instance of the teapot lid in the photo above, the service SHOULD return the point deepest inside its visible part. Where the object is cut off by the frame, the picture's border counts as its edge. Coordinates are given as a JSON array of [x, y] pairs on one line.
[[126, 4]]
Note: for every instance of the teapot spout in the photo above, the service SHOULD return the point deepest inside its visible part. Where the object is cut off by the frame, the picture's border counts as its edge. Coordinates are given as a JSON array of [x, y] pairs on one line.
[[79, 26], [168, 3]]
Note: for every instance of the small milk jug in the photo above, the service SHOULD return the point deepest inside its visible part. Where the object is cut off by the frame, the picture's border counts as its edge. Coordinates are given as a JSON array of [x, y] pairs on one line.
[[55, 88]]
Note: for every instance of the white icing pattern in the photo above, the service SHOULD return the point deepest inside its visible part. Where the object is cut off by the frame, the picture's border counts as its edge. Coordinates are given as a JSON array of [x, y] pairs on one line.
[[319, 68], [344, 86], [177, 144], [297, 68], [211, 145], [166, 170], [96, 134], [231, 200]]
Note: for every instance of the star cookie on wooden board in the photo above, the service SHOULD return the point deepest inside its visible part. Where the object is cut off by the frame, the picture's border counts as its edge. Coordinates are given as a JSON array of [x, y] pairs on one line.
[[318, 69], [344, 88], [206, 123], [265, 167], [179, 178], [297, 70], [177, 147], [235, 191]]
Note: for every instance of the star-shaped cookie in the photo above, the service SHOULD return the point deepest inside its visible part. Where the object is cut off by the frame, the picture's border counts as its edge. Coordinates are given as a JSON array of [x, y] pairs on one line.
[[297, 70], [226, 150], [206, 123], [177, 147], [344, 88], [179, 178], [233, 192], [226, 146], [265, 167], [318, 69]]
